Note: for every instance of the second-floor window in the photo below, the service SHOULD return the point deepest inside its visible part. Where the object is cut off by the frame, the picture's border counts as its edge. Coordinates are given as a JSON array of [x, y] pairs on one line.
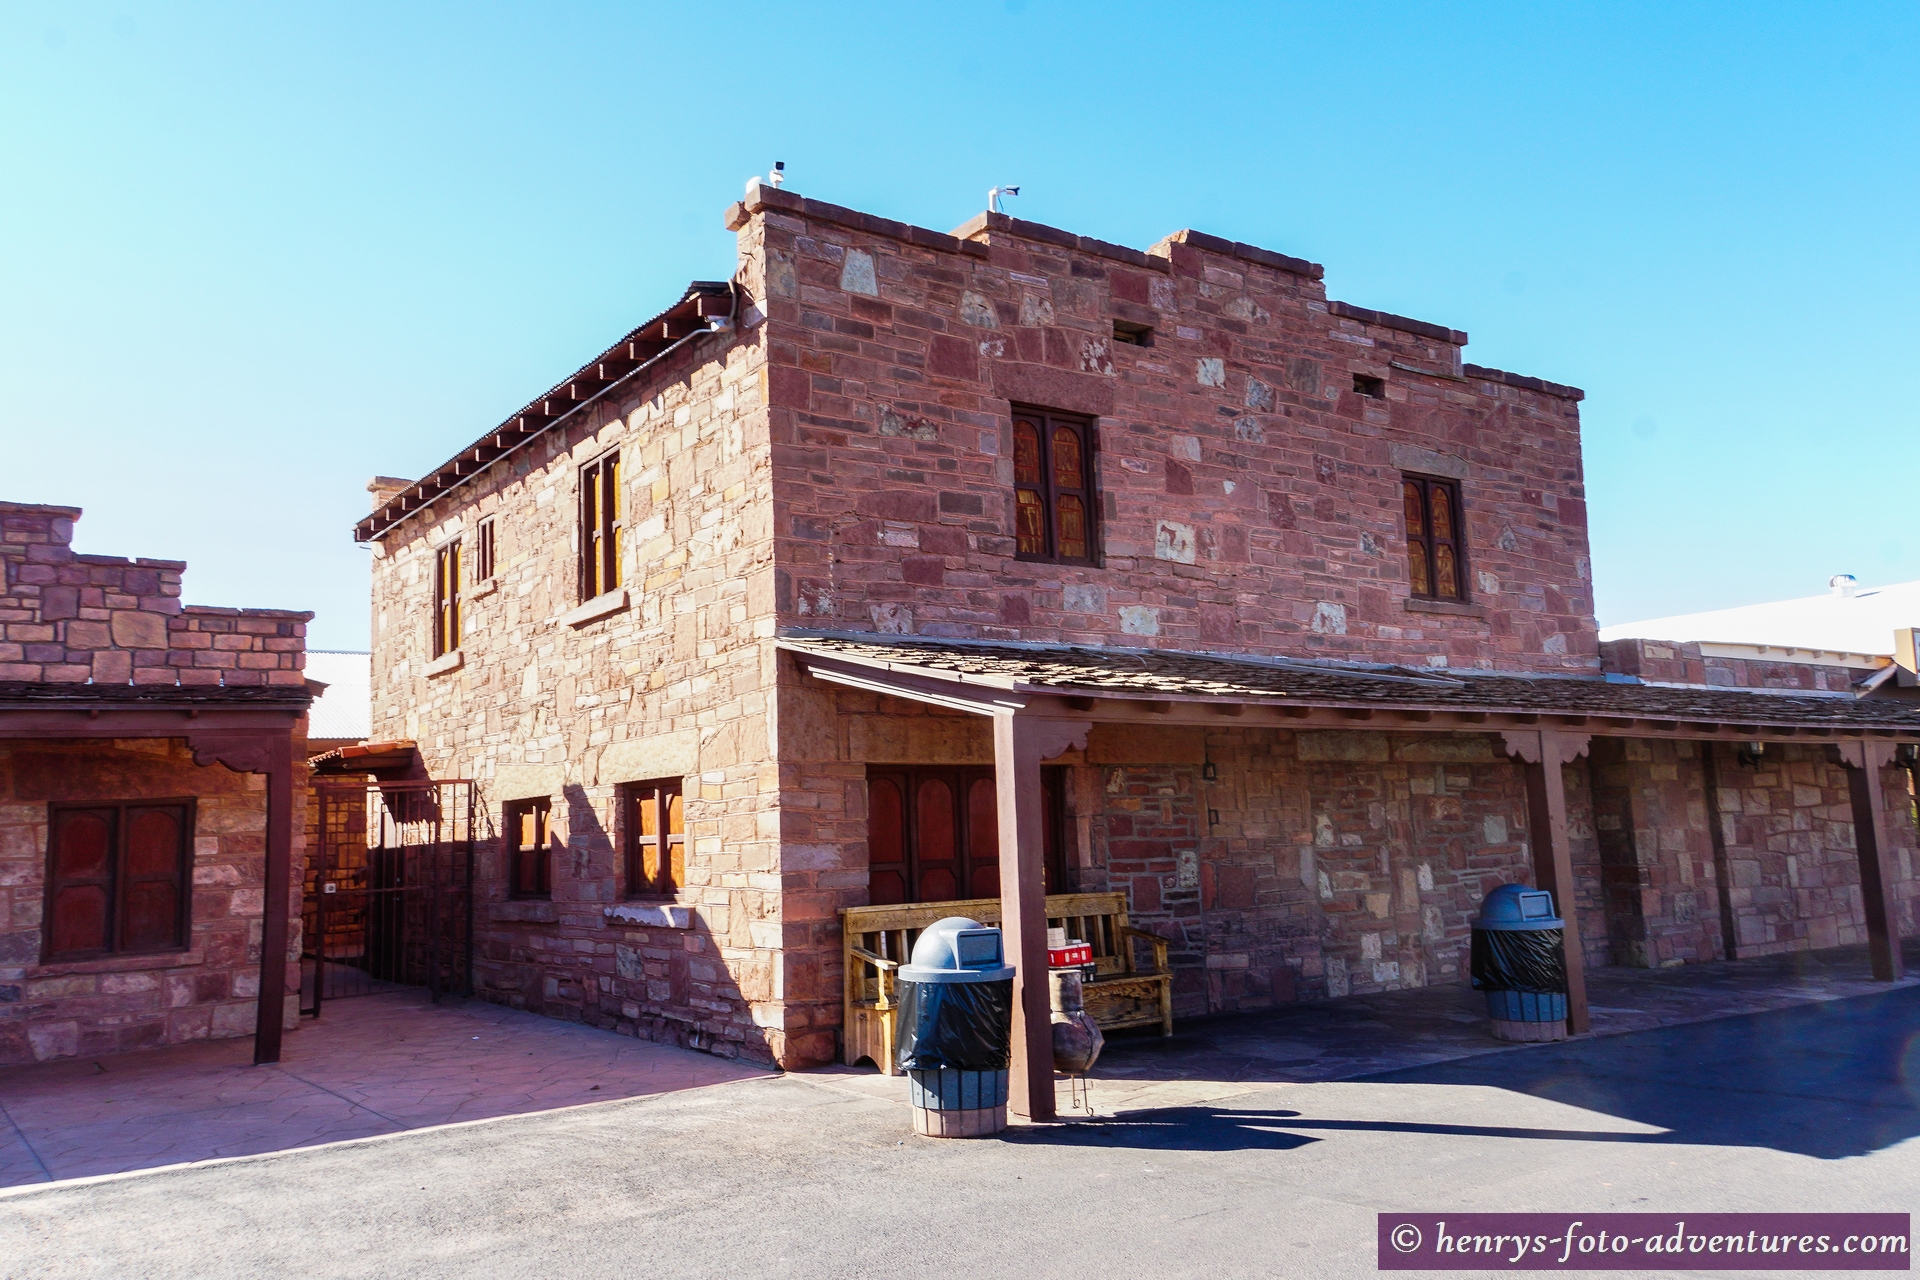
[[600, 526], [1052, 487], [446, 598], [483, 564], [529, 852], [1436, 559]]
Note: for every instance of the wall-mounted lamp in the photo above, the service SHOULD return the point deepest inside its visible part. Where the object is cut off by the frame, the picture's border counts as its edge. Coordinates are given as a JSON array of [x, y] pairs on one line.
[[1750, 754], [1213, 817], [1210, 771]]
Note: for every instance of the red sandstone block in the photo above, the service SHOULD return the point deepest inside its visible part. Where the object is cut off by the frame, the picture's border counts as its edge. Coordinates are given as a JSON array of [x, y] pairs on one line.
[[19, 671], [190, 676], [244, 678], [154, 675]]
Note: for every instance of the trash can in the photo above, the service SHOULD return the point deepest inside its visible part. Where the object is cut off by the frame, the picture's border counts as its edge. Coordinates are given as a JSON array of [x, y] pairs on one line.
[[1519, 960], [956, 1029]]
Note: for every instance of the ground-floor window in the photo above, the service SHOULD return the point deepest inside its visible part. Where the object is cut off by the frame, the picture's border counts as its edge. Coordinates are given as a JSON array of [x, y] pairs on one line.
[[530, 866], [933, 833], [656, 832], [118, 878]]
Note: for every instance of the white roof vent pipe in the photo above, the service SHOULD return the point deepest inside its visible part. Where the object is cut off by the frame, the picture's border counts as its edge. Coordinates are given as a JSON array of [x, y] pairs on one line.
[[1843, 585]]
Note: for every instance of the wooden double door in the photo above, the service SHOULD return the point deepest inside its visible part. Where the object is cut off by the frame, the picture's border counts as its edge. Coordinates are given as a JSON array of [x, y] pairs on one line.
[[933, 833]]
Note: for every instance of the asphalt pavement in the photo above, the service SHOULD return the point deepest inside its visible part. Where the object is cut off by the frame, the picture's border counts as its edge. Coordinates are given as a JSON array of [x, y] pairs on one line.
[[1810, 1109]]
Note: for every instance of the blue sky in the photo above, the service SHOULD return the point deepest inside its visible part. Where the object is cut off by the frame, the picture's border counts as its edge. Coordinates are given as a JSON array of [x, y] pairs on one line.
[[257, 254]]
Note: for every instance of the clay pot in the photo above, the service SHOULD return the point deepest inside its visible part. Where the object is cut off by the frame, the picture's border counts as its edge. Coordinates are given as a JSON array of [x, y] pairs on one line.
[[1076, 1038]]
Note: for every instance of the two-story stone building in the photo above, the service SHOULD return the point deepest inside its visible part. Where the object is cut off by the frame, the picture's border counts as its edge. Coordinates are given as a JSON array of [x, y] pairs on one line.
[[911, 566]]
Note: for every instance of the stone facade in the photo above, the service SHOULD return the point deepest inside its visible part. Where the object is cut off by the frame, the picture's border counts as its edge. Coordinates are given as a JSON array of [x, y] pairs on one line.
[[67, 619], [840, 461]]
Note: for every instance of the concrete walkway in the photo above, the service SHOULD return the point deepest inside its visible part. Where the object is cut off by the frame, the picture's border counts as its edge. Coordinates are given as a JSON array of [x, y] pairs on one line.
[[372, 1065]]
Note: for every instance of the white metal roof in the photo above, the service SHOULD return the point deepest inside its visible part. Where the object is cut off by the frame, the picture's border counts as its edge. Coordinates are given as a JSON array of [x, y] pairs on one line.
[[345, 710], [1860, 623]]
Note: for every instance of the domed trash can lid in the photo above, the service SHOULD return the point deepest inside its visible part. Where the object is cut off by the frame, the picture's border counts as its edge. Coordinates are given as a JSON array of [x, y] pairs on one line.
[[957, 949], [1516, 908]]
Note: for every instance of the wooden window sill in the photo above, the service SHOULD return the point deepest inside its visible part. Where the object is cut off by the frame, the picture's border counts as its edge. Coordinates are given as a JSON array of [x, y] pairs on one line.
[[1417, 605], [120, 964], [448, 661], [609, 602], [651, 913]]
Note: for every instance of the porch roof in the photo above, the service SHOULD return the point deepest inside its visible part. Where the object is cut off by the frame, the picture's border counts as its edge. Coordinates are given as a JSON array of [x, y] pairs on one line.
[[35, 695], [1157, 681]]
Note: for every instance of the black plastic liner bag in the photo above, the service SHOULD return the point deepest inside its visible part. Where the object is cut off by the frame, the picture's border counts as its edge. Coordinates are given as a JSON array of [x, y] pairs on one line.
[[1520, 960], [964, 1026]]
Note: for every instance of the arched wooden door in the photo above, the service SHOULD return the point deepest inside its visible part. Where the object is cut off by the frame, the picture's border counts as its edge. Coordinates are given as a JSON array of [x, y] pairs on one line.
[[933, 833]]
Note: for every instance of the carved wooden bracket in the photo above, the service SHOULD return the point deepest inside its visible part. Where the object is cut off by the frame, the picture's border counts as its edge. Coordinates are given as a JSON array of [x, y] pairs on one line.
[[1862, 755], [240, 751], [1055, 736], [1534, 746]]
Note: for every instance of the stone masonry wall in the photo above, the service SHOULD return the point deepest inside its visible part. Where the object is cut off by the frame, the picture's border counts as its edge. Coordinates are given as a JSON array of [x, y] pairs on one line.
[[1661, 662], [1787, 826], [676, 682], [118, 1003], [1249, 496], [68, 618], [1316, 864], [1791, 878]]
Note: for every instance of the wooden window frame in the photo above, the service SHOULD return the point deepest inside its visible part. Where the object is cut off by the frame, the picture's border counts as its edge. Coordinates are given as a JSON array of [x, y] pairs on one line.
[[448, 597], [541, 809], [657, 793], [1049, 490], [117, 880], [1425, 544], [602, 525], [484, 564], [1056, 831]]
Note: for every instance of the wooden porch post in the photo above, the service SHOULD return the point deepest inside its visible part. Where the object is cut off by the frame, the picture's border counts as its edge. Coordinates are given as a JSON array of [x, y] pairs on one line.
[[279, 888], [1865, 781], [1543, 755], [1023, 910]]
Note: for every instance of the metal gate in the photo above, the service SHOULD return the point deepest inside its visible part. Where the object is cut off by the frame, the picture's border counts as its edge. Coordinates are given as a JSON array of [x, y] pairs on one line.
[[389, 891]]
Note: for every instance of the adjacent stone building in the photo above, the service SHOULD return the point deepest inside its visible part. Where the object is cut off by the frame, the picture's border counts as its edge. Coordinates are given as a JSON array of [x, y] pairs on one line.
[[1265, 608], [147, 757]]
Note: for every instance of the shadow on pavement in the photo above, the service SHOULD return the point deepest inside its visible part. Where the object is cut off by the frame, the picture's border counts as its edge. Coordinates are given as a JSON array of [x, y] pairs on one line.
[[1829, 1080]]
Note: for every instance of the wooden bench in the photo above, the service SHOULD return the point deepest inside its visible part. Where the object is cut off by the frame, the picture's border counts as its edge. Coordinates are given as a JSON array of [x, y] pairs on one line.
[[878, 940]]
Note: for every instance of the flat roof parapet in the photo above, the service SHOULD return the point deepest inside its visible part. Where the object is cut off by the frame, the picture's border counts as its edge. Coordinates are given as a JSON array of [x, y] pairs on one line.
[[1387, 320], [1522, 381], [1244, 252]]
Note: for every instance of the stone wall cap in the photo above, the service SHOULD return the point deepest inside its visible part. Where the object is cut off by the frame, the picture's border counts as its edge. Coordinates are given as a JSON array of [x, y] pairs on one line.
[[224, 611], [986, 223], [760, 197], [1387, 320], [1246, 253], [38, 509], [1523, 382]]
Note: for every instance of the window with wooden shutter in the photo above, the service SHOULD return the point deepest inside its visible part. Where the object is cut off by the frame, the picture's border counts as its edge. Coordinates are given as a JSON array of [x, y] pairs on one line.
[[1436, 549], [446, 598], [656, 829], [601, 525], [483, 562], [933, 833], [529, 847], [1053, 487], [119, 878]]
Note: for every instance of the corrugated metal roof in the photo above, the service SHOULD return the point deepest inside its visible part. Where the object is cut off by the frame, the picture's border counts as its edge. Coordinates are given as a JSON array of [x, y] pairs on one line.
[[345, 710]]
